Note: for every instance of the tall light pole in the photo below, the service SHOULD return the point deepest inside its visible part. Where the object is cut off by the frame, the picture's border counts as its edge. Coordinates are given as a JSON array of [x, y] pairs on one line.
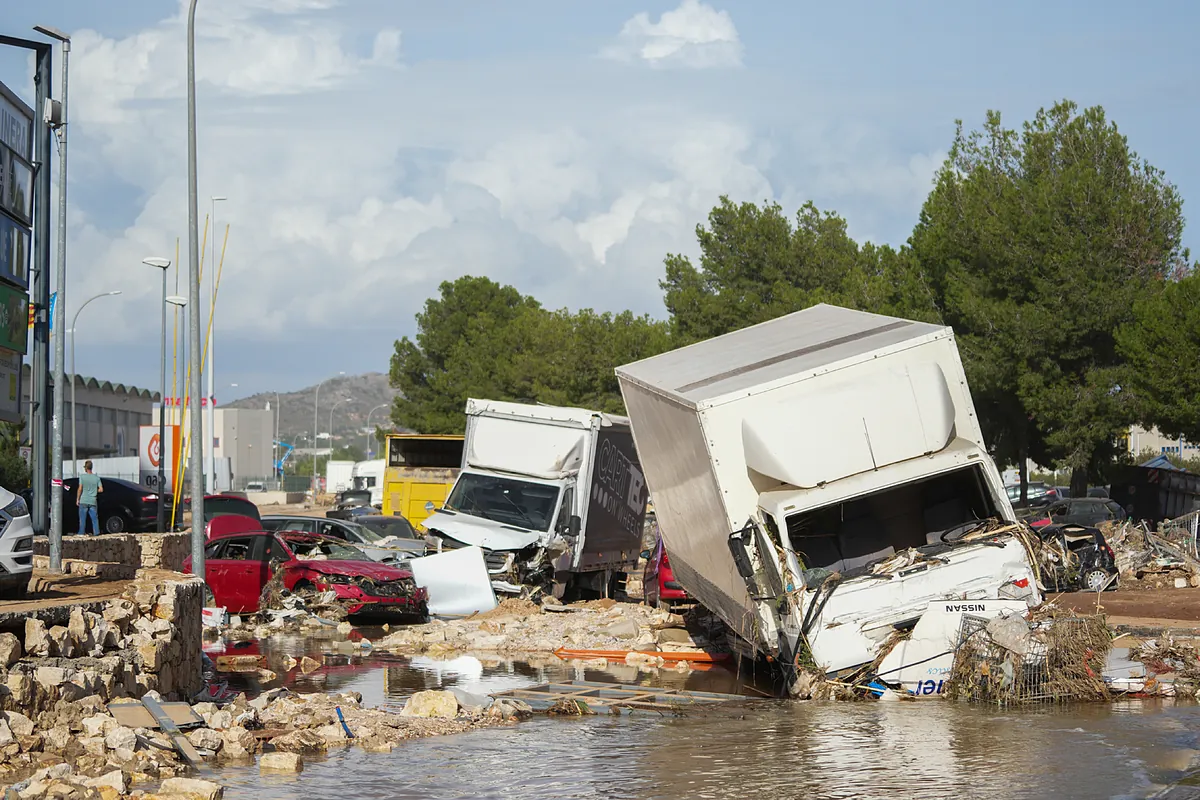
[[337, 403], [197, 435], [369, 431], [210, 407], [275, 441], [316, 424], [59, 321], [180, 304], [74, 413], [162, 265]]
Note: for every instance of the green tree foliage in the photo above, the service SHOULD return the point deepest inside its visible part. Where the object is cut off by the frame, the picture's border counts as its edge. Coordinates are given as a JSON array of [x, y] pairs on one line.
[[512, 350], [1037, 245], [756, 264], [14, 472], [1162, 345]]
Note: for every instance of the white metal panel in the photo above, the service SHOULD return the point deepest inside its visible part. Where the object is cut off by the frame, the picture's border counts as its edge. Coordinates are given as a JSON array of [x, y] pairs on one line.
[[563, 415], [907, 412], [781, 348], [687, 502], [506, 444]]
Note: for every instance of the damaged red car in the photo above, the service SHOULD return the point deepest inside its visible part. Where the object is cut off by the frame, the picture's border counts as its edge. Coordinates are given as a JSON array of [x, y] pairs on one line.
[[239, 565]]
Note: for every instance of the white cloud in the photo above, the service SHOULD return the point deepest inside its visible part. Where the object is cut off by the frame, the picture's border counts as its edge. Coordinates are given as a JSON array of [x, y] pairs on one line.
[[693, 35]]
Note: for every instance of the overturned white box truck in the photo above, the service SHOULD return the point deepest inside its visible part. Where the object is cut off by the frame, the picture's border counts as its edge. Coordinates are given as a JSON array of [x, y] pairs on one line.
[[821, 479], [554, 496]]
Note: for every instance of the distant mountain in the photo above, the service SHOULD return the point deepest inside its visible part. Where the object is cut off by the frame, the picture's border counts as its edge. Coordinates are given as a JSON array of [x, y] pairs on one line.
[[361, 394]]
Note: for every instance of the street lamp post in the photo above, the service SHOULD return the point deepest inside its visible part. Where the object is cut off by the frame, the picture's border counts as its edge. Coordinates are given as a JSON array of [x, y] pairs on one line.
[[369, 413], [210, 408], [74, 413], [59, 320], [337, 403], [197, 432], [316, 424], [162, 265], [180, 304], [275, 443]]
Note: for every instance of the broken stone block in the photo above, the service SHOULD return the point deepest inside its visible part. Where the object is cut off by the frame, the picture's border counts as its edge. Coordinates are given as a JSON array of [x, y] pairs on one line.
[[674, 636], [206, 739], [332, 733], [115, 779], [121, 738], [37, 639], [151, 655], [20, 724], [193, 787], [50, 677], [281, 762], [220, 720], [625, 629], [10, 649], [6, 735], [305, 741], [58, 738], [434, 704], [61, 642], [78, 630]]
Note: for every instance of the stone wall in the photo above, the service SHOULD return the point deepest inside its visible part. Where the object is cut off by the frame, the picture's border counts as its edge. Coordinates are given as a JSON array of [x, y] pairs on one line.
[[136, 550], [149, 638]]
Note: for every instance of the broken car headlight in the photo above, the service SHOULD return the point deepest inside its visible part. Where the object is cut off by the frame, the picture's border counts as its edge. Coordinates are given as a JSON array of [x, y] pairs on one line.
[[17, 508]]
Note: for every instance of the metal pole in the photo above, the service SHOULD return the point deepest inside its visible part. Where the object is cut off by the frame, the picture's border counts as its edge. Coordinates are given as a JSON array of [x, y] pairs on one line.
[[197, 433], [162, 410], [275, 443], [210, 409], [369, 432], [331, 408], [60, 284], [316, 404], [40, 296], [74, 413]]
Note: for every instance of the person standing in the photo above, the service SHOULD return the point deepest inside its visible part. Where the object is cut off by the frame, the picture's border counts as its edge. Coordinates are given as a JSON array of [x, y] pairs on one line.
[[89, 488]]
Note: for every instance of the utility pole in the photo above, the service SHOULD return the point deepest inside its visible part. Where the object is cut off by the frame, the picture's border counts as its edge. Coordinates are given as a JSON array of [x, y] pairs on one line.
[[60, 286], [197, 433]]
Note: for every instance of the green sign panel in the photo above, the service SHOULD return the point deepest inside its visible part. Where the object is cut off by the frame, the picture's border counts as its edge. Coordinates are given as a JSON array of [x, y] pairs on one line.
[[14, 319]]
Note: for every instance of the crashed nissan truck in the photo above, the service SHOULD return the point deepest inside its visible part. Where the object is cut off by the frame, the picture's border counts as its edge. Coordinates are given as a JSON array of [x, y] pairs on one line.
[[821, 482], [554, 496]]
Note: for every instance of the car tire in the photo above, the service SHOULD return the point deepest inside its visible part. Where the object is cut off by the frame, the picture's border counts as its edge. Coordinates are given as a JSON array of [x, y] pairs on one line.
[[114, 523], [1094, 579]]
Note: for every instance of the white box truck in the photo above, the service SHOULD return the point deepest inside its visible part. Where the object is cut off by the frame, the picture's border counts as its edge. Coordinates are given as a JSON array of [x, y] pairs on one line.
[[821, 478], [554, 496]]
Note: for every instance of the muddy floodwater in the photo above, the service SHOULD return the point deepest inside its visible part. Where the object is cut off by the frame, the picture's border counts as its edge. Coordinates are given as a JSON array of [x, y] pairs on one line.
[[761, 749]]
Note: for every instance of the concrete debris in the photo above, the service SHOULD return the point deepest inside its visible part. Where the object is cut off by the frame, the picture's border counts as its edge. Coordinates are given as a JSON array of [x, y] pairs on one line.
[[432, 704], [520, 626], [191, 787], [281, 762]]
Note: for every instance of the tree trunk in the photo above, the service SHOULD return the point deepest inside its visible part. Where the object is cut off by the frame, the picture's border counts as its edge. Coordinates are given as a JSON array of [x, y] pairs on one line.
[[1079, 482]]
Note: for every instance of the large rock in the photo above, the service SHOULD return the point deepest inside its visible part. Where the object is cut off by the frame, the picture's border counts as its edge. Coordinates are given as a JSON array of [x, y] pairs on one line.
[[79, 631], [99, 725], [151, 655], [6, 735], [61, 642], [332, 734], [20, 724], [220, 720], [37, 638], [10, 649], [675, 636], [281, 762], [306, 741], [625, 629], [193, 787], [121, 738], [115, 779], [21, 688], [433, 704], [206, 739]]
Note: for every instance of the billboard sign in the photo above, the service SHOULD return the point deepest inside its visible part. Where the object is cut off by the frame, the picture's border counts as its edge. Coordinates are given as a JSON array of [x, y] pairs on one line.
[[16, 187], [14, 313], [150, 450], [10, 386]]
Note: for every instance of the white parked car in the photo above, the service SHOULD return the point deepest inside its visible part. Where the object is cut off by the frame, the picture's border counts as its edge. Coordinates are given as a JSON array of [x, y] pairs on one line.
[[16, 544]]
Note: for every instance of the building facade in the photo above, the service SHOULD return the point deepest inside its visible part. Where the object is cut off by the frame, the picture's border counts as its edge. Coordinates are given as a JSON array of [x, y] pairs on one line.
[[107, 417], [244, 436]]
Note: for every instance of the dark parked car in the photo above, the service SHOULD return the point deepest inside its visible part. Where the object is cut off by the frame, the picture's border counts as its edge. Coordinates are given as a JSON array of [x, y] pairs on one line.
[[1037, 494], [351, 503], [1088, 511], [123, 506], [1090, 561]]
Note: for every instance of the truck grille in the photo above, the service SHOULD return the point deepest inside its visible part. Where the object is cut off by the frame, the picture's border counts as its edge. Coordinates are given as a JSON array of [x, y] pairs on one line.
[[495, 561]]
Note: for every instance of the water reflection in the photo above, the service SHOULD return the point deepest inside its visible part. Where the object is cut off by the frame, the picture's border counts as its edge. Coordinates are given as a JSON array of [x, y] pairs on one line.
[[768, 750]]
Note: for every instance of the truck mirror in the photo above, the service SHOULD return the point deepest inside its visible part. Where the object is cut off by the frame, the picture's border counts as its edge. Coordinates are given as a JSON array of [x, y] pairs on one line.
[[574, 526]]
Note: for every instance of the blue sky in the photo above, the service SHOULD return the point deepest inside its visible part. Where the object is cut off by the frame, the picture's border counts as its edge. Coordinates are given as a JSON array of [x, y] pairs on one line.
[[373, 148]]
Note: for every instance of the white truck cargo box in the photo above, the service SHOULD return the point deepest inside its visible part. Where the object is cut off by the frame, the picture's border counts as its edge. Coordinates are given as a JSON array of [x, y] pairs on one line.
[[806, 450]]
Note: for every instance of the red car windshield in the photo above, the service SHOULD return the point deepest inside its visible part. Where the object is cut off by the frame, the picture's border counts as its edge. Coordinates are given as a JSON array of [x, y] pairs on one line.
[[311, 549]]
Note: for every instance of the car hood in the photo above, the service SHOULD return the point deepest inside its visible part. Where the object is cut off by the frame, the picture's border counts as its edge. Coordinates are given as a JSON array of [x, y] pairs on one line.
[[480, 532], [356, 569]]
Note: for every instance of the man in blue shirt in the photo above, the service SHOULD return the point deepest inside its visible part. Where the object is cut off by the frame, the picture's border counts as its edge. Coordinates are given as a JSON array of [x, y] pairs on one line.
[[89, 488]]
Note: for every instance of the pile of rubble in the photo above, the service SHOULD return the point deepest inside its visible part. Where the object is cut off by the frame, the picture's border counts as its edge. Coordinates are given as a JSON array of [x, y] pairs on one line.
[[80, 750], [1149, 560], [521, 626]]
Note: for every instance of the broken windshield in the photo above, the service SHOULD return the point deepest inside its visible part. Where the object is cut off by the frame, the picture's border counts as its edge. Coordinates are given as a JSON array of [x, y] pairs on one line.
[[312, 549], [508, 500]]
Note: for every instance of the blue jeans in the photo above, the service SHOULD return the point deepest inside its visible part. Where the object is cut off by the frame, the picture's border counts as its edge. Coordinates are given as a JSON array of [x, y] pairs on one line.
[[84, 512]]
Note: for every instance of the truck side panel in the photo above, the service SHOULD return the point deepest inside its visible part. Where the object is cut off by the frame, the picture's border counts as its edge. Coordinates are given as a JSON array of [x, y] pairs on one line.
[[688, 503], [615, 502]]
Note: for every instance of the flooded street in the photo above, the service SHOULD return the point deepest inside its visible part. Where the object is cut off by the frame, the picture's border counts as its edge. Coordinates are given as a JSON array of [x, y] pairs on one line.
[[762, 749]]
